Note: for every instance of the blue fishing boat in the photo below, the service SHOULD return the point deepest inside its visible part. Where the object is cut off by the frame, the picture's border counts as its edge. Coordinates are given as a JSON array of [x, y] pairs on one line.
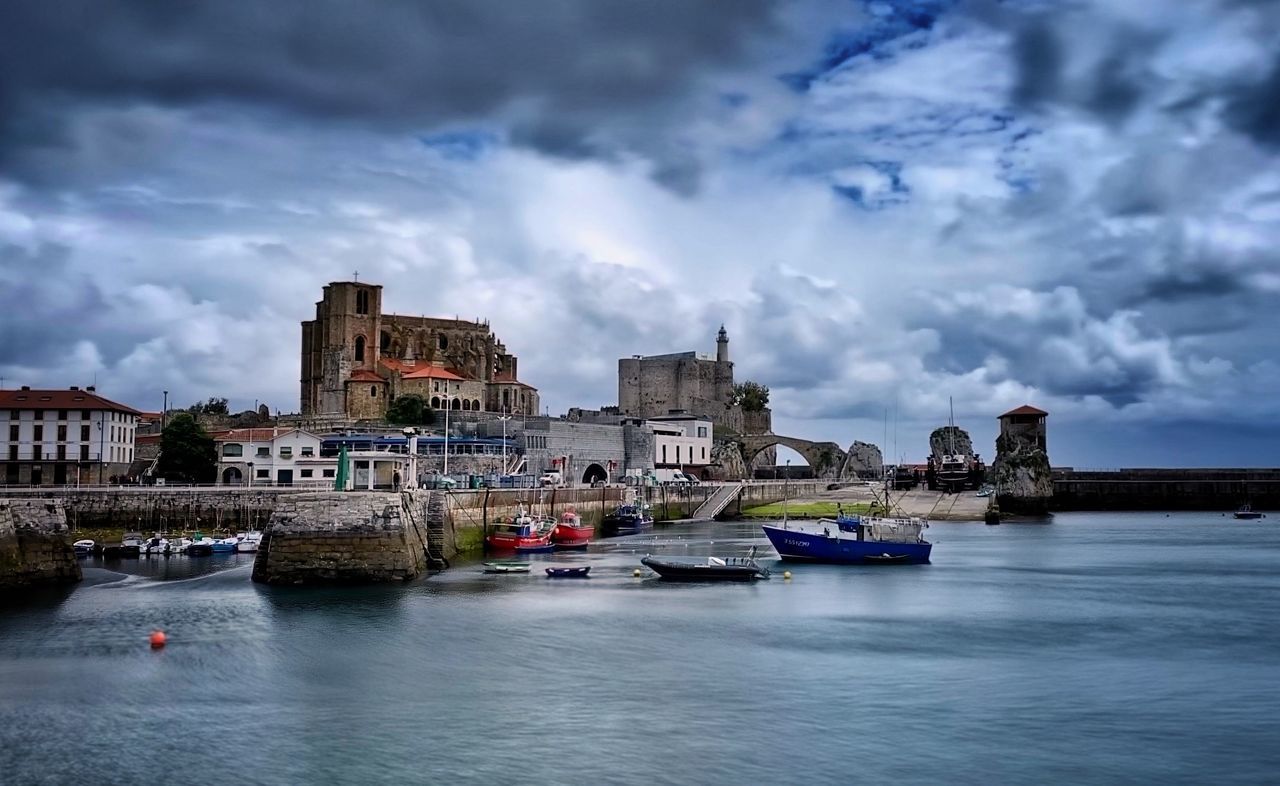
[[852, 540], [627, 520]]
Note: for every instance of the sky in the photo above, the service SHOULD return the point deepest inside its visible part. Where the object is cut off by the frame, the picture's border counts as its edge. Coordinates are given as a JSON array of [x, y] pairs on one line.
[[890, 205]]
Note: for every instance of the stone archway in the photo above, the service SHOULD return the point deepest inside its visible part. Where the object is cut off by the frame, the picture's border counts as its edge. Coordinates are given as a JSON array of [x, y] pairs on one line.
[[826, 458], [231, 476], [594, 474]]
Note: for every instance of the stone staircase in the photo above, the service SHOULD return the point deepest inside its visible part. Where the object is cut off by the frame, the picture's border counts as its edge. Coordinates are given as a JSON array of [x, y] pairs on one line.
[[717, 502]]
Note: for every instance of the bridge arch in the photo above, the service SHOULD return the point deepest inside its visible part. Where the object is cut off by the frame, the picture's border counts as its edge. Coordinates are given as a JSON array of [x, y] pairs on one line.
[[826, 458]]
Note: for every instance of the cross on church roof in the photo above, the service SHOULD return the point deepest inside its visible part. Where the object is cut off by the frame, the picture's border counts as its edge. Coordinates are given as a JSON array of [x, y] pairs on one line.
[[355, 276]]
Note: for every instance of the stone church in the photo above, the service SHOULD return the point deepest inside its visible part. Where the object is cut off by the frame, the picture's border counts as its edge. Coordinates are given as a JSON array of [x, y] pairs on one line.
[[356, 360]]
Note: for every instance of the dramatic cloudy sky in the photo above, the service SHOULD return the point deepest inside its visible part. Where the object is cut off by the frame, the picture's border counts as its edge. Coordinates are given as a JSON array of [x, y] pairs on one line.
[[1074, 204]]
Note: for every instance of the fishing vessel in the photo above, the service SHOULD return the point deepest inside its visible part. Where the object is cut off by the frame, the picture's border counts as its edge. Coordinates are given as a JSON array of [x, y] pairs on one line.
[[1246, 511], [523, 534], [225, 545], [627, 520], [853, 540], [568, 573], [202, 546], [571, 533]]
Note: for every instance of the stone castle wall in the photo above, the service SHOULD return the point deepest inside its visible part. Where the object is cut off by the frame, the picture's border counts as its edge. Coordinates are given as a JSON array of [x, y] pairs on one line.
[[32, 550]]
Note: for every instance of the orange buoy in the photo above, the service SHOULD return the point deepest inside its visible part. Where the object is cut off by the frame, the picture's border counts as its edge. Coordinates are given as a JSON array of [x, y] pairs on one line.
[[157, 639]]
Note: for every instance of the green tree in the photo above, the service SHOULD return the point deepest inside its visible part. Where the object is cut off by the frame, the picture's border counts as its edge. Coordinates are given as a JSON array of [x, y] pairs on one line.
[[187, 452], [214, 406], [751, 396], [410, 410]]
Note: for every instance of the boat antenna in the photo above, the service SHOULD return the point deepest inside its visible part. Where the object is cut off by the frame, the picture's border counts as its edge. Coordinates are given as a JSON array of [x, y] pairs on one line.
[[951, 432]]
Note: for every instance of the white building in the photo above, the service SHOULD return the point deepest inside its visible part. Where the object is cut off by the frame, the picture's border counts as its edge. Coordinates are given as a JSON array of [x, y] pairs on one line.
[[272, 456], [57, 437], [681, 442]]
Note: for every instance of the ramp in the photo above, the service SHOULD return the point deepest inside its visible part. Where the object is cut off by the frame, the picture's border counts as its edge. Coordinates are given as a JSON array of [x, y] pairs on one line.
[[717, 502]]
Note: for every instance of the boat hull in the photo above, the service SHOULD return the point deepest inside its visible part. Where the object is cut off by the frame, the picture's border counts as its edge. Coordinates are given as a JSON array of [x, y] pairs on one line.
[[793, 545], [1248, 515], [199, 550], [675, 571], [568, 573], [569, 537]]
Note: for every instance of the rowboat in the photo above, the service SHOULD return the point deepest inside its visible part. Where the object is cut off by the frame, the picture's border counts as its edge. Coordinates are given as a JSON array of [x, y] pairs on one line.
[[506, 567], [569, 573]]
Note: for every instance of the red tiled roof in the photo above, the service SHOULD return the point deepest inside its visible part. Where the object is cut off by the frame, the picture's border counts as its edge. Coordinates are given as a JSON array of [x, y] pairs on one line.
[[365, 375], [420, 370], [60, 399], [253, 434], [434, 372], [1025, 409]]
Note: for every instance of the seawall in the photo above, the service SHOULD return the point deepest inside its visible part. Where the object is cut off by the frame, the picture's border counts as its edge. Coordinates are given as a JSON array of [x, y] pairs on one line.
[[1165, 489], [33, 551]]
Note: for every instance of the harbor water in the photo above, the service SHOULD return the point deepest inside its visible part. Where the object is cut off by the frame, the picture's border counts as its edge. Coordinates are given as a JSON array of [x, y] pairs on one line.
[[1100, 648]]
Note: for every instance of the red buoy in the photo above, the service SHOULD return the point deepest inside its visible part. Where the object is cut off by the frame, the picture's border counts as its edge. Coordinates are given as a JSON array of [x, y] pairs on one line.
[[157, 639]]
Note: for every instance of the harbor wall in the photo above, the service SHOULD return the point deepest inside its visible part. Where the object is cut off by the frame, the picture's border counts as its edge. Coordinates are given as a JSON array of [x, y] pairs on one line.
[[33, 551], [1165, 489]]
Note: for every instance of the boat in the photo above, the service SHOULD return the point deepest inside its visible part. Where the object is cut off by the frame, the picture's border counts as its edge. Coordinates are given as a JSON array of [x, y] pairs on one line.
[[130, 546], [201, 546], [708, 568], [507, 567], [569, 573], [248, 541], [523, 534], [83, 548], [571, 533], [179, 545], [225, 545], [155, 545], [853, 540], [627, 520], [1246, 511]]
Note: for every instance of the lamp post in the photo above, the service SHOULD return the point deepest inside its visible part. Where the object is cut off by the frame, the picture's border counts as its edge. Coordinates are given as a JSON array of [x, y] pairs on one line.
[[164, 413], [250, 474], [102, 415], [504, 419], [446, 434]]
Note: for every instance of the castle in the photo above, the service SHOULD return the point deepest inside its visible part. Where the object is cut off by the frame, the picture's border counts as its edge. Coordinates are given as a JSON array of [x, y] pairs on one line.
[[656, 385], [356, 360]]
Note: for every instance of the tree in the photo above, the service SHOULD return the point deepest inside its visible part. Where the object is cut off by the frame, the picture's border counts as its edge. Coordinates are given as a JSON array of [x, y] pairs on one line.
[[751, 396], [187, 452], [214, 406], [410, 410]]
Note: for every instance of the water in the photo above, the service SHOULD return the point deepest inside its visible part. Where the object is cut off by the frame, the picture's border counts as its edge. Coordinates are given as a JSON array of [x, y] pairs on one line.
[[1099, 648]]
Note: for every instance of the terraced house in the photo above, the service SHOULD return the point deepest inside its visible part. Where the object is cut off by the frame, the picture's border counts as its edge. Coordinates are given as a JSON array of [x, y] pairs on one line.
[[65, 437]]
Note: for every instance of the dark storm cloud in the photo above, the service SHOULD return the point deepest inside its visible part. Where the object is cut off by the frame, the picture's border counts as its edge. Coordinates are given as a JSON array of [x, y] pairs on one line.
[[1254, 108], [563, 72], [43, 306], [1038, 58]]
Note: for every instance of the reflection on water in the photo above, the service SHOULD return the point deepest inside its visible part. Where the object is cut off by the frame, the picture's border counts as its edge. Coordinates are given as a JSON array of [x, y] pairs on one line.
[[1095, 648]]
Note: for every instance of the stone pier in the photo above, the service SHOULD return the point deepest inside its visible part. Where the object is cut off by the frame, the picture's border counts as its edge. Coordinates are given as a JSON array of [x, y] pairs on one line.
[[33, 551]]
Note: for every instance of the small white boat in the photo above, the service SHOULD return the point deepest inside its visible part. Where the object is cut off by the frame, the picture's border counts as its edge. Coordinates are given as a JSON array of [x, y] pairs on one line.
[[249, 541], [155, 545], [179, 545], [133, 540], [83, 548], [507, 567]]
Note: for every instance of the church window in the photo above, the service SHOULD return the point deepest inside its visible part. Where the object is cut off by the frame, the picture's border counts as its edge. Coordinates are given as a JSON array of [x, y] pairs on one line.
[[359, 349], [442, 341], [373, 391], [384, 341], [362, 301], [475, 405], [435, 402]]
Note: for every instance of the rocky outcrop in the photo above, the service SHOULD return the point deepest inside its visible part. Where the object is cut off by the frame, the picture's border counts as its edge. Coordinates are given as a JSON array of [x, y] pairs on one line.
[[863, 460], [1022, 477], [950, 440], [33, 551], [726, 461]]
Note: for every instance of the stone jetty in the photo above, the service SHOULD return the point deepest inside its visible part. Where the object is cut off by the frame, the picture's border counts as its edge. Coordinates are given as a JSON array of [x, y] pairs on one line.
[[33, 551]]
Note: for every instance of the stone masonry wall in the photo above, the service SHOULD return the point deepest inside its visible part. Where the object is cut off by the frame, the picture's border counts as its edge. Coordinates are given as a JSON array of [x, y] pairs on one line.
[[32, 552]]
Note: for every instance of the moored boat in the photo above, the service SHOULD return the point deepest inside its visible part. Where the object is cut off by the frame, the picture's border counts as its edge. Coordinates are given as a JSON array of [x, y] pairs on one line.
[[225, 545], [569, 573], [507, 567], [523, 534], [249, 541], [852, 540], [707, 569], [83, 548], [571, 533], [1246, 511], [627, 520], [201, 546]]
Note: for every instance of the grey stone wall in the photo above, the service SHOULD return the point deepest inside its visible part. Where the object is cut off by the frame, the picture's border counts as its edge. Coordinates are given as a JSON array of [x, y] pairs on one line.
[[583, 444], [32, 553]]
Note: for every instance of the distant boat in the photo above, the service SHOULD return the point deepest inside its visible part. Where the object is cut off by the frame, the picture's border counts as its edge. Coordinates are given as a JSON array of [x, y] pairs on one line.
[[225, 546], [627, 520], [201, 547], [569, 573], [249, 541], [506, 567], [707, 569], [571, 533], [83, 548], [1246, 511]]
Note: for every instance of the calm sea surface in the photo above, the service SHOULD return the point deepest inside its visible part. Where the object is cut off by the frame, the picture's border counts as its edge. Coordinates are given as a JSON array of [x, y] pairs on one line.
[[1100, 648]]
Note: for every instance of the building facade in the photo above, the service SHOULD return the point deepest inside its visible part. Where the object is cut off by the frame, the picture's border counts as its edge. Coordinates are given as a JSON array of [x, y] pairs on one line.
[[60, 437], [682, 442], [1025, 425], [356, 360], [278, 457]]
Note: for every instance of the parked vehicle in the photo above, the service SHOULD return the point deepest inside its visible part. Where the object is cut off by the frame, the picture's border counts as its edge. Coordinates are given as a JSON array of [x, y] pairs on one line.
[[553, 478]]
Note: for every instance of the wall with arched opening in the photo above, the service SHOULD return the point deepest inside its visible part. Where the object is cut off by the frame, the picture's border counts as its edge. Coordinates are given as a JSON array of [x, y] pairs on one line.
[[594, 474]]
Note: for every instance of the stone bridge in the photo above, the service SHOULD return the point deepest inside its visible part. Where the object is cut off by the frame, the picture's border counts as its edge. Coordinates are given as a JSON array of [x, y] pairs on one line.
[[826, 458]]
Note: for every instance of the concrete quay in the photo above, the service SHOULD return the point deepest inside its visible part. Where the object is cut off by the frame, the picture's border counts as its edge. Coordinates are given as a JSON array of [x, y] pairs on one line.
[[33, 551]]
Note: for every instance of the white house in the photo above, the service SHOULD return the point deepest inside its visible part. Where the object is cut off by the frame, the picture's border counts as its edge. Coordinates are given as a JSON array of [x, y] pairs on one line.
[[273, 456], [681, 441], [57, 437]]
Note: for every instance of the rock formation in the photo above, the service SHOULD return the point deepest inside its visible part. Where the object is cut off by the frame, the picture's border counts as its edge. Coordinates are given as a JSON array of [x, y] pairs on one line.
[[863, 460], [943, 438], [726, 461], [33, 551], [1022, 476]]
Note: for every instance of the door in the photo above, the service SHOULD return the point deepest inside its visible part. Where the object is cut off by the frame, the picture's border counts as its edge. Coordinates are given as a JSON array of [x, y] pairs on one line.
[[37, 475], [60, 474], [284, 477]]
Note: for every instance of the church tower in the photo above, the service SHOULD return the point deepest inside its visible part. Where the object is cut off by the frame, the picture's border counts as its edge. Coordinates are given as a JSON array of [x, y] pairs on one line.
[[722, 346]]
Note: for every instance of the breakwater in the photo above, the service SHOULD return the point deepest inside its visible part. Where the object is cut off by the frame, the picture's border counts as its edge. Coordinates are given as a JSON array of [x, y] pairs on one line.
[[32, 550], [1165, 489]]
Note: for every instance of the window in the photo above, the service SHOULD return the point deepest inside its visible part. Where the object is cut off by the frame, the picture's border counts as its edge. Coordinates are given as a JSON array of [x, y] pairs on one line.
[[39, 414], [442, 341], [38, 433], [306, 473], [84, 452], [664, 454], [702, 431], [308, 451], [84, 414], [264, 452], [84, 432], [286, 451], [263, 473], [704, 452], [678, 461], [373, 391], [384, 341], [328, 473], [13, 432], [362, 301], [13, 414], [359, 349], [35, 453], [62, 433], [62, 453], [13, 452], [62, 414], [232, 450]]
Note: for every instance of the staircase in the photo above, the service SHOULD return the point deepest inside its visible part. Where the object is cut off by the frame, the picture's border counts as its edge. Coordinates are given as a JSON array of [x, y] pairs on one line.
[[717, 502]]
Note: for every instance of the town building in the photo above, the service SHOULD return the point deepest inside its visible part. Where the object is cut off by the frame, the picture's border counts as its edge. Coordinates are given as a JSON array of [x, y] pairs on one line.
[[683, 442], [356, 360], [57, 437], [272, 456], [1025, 426]]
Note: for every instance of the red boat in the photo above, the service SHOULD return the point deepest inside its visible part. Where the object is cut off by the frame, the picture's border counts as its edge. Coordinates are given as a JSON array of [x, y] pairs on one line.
[[523, 534], [571, 533]]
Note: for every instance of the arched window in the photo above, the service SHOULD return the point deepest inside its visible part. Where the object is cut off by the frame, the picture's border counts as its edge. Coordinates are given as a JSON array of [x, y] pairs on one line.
[[362, 301], [359, 349], [442, 341], [384, 341], [475, 405], [435, 402], [373, 391], [506, 400], [466, 405], [457, 403]]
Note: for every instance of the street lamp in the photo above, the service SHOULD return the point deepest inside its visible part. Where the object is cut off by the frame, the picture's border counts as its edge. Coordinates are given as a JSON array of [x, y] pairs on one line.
[[164, 413], [446, 433], [250, 474], [504, 419]]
